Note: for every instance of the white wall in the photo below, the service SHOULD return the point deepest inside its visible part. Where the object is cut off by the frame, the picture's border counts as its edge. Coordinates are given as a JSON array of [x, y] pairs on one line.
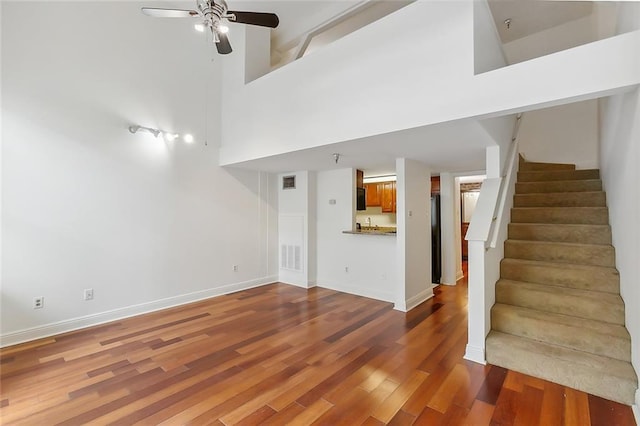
[[449, 223], [86, 204], [414, 233], [370, 260], [620, 156], [562, 134], [296, 229]]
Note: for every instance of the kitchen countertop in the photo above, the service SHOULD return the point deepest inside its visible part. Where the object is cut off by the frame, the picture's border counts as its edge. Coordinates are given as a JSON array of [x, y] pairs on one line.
[[382, 230]]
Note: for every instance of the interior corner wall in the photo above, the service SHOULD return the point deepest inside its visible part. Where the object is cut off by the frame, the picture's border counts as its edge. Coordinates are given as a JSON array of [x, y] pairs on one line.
[[414, 233], [358, 264], [146, 223], [257, 55], [620, 156], [487, 46], [562, 134]]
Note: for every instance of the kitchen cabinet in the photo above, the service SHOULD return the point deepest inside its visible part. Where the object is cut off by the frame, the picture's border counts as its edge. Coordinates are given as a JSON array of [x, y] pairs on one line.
[[374, 198], [388, 197]]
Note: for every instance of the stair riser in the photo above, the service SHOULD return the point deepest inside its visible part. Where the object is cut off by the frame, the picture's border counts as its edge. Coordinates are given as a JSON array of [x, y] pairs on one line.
[[570, 199], [558, 186], [561, 334], [550, 175], [563, 372], [532, 167], [607, 280], [560, 304], [579, 215], [586, 234], [553, 252]]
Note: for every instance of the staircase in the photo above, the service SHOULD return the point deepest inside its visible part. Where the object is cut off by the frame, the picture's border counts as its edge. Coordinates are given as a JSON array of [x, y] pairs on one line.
[[558, 313]]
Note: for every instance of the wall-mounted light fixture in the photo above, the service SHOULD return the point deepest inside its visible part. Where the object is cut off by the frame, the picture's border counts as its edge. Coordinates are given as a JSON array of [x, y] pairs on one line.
[[168, 136]]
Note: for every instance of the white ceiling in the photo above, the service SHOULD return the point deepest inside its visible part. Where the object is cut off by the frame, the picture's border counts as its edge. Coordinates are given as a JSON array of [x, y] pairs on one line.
[[458, 146], [532, 16]]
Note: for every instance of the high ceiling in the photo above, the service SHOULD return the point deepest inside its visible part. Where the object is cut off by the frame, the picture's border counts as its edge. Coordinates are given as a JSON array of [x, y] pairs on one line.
[[299, 18]]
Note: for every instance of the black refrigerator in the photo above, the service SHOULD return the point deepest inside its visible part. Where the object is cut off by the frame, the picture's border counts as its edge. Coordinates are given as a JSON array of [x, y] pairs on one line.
[[436, 251]]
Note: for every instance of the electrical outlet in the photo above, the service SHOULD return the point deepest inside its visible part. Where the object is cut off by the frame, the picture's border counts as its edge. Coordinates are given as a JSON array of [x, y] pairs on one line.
[[88, 294], [235, 268], [38, 302]]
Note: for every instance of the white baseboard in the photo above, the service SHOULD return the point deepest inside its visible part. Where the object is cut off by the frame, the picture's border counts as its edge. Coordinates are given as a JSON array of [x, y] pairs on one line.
[[73, 324], [423, 296], [357, 290], [409, 304], [475, 354]]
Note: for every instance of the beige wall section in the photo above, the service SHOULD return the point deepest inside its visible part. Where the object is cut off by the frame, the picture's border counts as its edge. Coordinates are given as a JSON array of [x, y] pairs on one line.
[[562, 134], [414, 233]]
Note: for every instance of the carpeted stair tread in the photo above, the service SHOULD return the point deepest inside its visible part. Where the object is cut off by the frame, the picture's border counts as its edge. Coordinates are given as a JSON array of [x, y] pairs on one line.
[[602, 376], [548, 251], [561, 199], [536, 166], [607, 307], [587, 185], [580, 215], [548, 175], [585, 277], [561, 232], [600, 338]]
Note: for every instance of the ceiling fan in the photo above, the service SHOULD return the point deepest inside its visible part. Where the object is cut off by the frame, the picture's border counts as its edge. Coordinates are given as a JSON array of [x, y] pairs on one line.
[[212, 13]]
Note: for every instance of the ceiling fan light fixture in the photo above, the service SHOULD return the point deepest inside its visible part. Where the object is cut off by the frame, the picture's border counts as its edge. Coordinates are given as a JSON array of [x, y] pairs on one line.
[[188, 138], [223, 29], [199, 27]]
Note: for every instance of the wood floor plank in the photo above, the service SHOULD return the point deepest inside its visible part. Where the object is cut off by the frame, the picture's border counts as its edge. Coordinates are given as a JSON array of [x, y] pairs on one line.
[[277, 355], [576, 408], [480, 414]]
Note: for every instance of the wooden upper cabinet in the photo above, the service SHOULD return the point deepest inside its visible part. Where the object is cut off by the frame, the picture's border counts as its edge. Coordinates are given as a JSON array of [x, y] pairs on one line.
[[388, 197], [373, 194]]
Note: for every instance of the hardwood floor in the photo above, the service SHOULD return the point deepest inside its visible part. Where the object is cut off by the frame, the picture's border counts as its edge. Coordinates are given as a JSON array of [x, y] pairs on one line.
[[283, 355]]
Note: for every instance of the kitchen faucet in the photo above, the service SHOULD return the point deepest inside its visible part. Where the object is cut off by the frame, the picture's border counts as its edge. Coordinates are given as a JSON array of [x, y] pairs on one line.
[[368, 222]]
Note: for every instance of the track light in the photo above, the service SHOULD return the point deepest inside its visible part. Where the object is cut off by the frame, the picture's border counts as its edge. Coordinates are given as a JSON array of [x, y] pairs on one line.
[[168, 136], [135, 129]]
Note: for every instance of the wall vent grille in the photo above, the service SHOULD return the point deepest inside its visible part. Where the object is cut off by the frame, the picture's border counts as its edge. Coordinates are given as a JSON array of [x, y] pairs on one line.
[[291, 257]]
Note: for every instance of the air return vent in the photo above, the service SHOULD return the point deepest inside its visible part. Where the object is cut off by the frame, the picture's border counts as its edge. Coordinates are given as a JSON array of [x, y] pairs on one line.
[[291, 257], [289, 182]]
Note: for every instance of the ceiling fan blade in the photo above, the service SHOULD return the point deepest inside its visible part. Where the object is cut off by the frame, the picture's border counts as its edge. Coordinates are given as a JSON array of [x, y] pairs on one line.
[[256, 18], [223, 46], [168, 13]]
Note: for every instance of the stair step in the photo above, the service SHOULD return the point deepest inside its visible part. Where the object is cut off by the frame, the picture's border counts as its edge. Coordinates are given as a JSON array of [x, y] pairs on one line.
[[584, 277], [589, 185], [583, 215], [547, 175], [567, 233], [561, 199], [594, 305], [602, 376], [582, 254], [595, 337], [530, 166]]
